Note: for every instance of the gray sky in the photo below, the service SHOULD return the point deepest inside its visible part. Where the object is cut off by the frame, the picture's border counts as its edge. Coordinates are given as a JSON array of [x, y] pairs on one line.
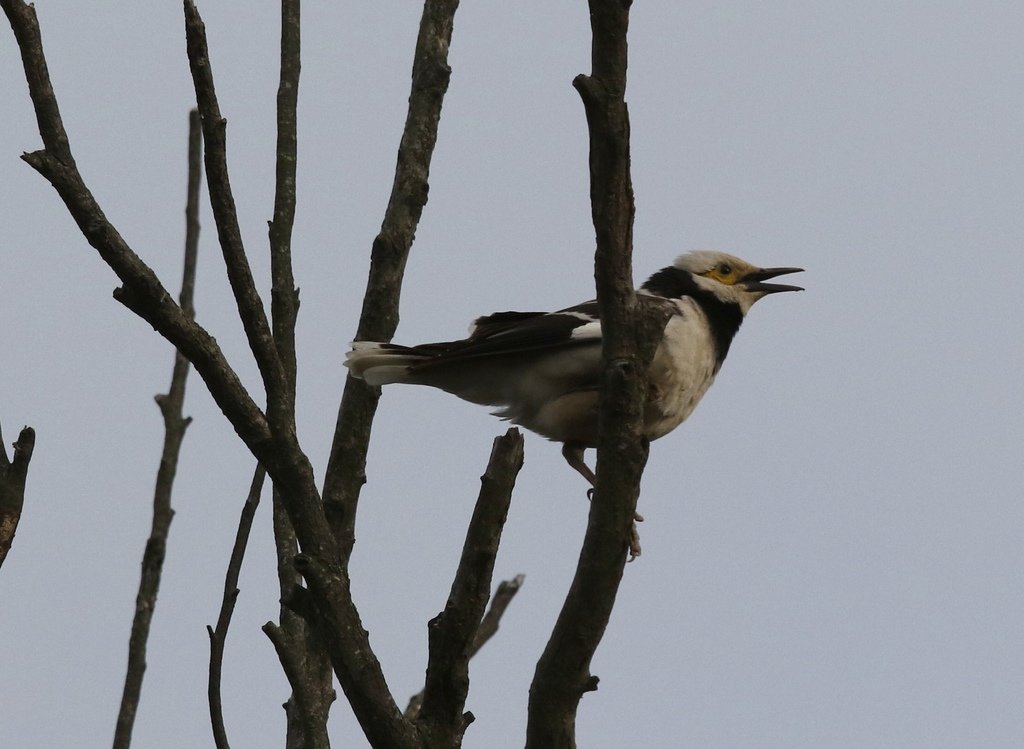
[[833, 546]]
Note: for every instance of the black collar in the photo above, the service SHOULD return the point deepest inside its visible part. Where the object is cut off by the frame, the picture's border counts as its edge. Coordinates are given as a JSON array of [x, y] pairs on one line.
[[724, 318]]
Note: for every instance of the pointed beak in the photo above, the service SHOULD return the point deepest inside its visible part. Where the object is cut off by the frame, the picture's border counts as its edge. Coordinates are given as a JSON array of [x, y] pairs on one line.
[[755, 281]]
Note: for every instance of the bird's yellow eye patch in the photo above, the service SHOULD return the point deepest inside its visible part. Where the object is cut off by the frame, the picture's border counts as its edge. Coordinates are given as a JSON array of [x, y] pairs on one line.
[[723, 273]]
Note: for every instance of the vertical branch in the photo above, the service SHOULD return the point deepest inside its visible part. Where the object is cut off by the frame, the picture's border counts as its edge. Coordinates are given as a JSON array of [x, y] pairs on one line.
[[284, 299], [452, 633], [629, 339], [250, 306], [299, 647], [379, 318], [13, 473], [302, 658], [174, 433], [195, 178], [284, 296], [286, 547], [218, 635]]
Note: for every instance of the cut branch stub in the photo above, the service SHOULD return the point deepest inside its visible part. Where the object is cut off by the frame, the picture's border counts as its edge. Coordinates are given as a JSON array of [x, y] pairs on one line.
[[13, 475]]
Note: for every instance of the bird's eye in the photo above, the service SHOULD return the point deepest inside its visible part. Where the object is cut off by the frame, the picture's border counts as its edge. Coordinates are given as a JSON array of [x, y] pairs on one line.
[[724, 269]]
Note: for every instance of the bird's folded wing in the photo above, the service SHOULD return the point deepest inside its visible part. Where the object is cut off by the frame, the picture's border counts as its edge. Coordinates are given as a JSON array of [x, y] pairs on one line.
[[505, 333]]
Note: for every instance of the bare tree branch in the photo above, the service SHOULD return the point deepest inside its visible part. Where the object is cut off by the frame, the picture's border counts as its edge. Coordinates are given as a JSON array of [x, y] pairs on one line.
[[272, 441], [629, 337], [502, 597], [250, 306], [452, 632], [284, 295], [22, 17], [302, 658], [303, 732], [299, 646], [218, 635], [13, 473], [195, 178], [175, 425], [142, 291], [286, 546], [355, 665], [346, 467], [284, 298]]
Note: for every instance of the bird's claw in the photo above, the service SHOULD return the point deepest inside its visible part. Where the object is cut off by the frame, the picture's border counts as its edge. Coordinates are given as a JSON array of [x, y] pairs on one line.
[[634, 541], [634, 534]]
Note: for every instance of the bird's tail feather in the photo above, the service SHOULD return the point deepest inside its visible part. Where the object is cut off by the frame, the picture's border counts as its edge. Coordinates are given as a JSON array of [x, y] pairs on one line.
[[382, 363]]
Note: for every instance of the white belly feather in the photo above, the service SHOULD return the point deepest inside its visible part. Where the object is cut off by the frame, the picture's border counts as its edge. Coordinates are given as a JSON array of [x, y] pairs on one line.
[[682, 371]]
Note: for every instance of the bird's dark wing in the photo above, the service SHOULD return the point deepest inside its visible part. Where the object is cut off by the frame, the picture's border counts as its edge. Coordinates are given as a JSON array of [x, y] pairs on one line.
[[504, 333], [500, 322], [590, 309]]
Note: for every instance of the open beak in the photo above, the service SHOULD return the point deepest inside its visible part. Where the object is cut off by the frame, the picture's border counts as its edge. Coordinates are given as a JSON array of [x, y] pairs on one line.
[[755, 281]]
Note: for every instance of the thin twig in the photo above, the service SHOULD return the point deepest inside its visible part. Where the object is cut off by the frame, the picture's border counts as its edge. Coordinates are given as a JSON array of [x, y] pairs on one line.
[[13, 473], [175, 425], [451, 633], [195, 178], [500, 601], [218, 635], [346, 467], [629, 338], [250, 306]]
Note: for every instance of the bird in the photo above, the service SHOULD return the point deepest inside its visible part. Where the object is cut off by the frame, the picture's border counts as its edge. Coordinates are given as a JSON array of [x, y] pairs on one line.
[[542, 370]]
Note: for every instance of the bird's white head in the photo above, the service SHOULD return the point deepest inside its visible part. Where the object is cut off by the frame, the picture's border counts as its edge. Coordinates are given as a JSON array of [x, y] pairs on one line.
[[732, 279]]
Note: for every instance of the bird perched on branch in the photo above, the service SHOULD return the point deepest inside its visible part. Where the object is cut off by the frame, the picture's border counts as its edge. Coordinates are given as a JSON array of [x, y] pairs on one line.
[[542, 370]]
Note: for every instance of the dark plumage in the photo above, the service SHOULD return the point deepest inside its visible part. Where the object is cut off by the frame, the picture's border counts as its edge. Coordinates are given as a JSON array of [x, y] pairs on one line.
[[542, 369]]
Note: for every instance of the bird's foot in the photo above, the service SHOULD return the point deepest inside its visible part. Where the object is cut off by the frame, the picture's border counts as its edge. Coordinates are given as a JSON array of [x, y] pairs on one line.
[[634, 533]]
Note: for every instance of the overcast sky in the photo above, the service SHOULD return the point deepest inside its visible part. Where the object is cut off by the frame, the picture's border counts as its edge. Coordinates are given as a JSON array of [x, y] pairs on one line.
[[833, 550]]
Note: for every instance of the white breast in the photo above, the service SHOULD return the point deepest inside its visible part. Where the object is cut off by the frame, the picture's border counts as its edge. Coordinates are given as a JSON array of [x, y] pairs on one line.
[[682, 371]]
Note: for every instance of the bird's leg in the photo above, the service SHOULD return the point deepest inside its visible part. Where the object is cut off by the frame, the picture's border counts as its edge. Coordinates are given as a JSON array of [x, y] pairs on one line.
[[573, 454]]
